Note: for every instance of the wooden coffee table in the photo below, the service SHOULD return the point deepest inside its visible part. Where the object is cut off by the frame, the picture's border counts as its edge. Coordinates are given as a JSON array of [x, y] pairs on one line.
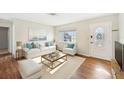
[[54, 59]]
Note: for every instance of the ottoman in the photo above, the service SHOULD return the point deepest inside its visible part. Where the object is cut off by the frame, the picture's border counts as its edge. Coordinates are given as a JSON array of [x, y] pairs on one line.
[[29, 69]]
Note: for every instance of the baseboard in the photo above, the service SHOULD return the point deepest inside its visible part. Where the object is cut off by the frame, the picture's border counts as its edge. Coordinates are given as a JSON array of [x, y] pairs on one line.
[[88, 56], [81, 55]]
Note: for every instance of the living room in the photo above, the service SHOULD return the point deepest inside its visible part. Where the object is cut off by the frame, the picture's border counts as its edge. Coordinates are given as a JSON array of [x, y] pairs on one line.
[[61, 46], [33, 39]]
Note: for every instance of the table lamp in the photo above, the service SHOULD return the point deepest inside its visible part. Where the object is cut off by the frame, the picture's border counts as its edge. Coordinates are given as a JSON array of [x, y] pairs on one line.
[[19, 45]]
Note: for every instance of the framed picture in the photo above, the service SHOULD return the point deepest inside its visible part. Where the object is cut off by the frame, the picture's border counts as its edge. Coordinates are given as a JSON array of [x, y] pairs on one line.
[[37, 35]]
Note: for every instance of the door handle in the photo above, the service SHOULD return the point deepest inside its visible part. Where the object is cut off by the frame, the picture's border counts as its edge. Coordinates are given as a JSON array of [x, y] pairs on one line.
[[91, 36]]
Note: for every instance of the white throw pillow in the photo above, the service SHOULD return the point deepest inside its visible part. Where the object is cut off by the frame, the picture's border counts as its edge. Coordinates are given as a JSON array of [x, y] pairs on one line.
[[40, 47], [42, 44], [37, 45]]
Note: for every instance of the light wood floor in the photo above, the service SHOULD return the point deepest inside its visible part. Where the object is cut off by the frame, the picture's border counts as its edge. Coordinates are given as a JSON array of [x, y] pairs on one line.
[[94, 68], [3, 51]]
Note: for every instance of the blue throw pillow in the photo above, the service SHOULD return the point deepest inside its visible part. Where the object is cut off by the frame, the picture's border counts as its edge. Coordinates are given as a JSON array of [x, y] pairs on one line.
[[70, 46], [29, 45]]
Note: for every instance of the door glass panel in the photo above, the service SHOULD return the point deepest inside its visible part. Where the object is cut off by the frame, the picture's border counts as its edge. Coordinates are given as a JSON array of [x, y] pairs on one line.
[[99, 36]]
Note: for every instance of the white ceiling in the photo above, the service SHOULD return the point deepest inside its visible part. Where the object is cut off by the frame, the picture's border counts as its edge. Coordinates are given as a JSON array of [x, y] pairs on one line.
[[45, 18]]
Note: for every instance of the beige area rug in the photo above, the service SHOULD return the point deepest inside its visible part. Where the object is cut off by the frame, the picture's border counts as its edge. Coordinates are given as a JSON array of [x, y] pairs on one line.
[[64, 71]]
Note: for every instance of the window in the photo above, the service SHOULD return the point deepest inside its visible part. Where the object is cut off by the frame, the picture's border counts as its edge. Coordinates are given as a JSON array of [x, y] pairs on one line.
[[68, 36], [99, 36]]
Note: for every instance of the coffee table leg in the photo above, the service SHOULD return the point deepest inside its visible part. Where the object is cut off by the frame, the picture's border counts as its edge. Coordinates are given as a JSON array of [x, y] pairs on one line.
[[52, 65], [66, 58], [41, 58]]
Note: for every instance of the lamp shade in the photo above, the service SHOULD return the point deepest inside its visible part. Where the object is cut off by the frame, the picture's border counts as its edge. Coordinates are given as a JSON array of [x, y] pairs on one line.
[[19, 44]]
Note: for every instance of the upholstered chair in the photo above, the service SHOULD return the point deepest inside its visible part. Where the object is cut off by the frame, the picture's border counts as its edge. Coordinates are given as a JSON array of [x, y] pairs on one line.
[[69, 49]]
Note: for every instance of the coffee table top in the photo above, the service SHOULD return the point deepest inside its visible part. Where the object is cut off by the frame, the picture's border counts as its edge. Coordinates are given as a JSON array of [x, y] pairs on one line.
[[54, 56]]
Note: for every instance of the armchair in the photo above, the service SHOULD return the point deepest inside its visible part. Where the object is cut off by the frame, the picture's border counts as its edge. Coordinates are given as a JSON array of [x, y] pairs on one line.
[[70, 50]]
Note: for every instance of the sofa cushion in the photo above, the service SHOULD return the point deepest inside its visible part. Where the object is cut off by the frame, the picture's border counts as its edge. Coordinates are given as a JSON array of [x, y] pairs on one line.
[[49, 48], [69, 51], [34, 50], [26, 49], [29, 67]]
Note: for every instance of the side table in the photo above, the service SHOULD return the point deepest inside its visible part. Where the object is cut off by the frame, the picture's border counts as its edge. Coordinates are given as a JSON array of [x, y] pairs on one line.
[[19, 54]]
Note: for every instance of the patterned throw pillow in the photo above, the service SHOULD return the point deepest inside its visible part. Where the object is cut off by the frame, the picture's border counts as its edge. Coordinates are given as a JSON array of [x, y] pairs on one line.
[[50, 43], [33, 45]]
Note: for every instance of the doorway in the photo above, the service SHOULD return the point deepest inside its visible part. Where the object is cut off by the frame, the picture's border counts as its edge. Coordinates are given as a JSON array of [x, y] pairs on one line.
[[4, 40], [101, 40]]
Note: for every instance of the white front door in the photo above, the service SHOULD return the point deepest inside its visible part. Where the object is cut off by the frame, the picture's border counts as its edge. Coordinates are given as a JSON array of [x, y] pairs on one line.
[[101, 40]]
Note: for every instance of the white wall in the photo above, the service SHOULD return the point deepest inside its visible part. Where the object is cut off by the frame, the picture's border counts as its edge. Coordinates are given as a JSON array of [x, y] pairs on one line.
[[21, 30], [82, 30], [121, 28]]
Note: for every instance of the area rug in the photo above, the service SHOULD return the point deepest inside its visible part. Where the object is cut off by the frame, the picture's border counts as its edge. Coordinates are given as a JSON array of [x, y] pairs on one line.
[[52, 71], [65, 71]]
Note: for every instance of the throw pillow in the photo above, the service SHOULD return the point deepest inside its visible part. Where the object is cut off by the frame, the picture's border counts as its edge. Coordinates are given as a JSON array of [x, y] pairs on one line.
[[50, 43], [47, 44], [29, 45], [40, 47], [33, 45], [37, 45], [70, 46]]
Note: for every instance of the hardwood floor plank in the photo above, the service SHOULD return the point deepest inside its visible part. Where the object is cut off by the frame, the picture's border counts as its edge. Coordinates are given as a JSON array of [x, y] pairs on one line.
[[8, 67], [94, 68]]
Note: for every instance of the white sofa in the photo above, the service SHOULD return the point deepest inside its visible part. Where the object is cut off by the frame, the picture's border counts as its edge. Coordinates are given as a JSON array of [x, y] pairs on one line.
[[36, 52]]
